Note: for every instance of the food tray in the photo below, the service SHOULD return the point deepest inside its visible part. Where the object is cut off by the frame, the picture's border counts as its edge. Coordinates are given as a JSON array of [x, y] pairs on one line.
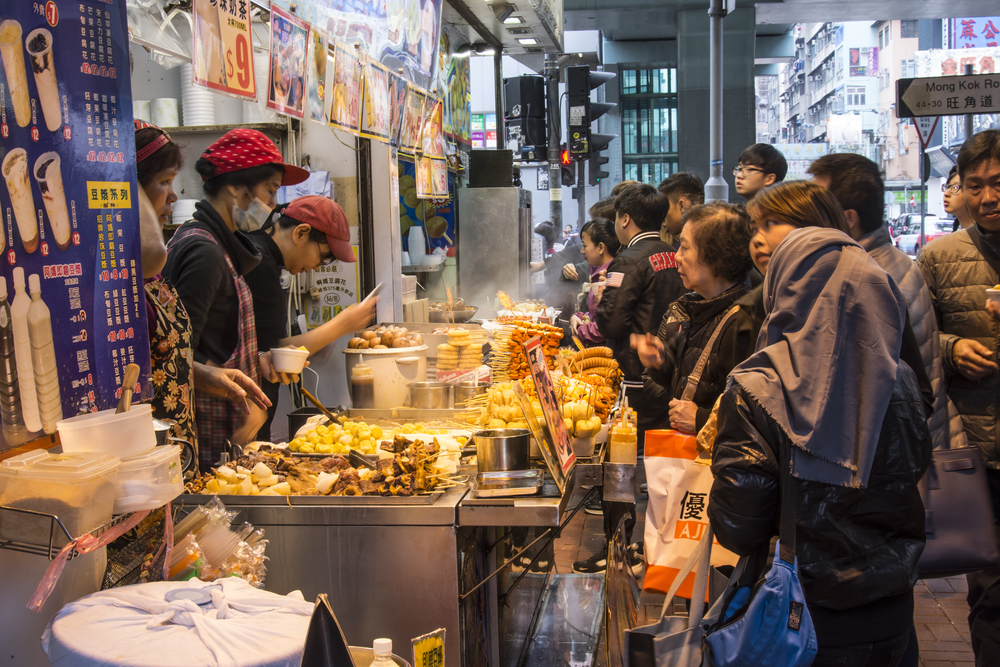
[[426, 499], [506, 484]]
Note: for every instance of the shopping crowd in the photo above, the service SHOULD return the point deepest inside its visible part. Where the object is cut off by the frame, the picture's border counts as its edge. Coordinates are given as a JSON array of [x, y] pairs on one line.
[[831, 355]]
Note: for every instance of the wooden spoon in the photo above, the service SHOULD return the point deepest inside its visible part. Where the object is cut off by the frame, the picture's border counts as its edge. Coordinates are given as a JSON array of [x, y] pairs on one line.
[[312, 399], [128, 386]]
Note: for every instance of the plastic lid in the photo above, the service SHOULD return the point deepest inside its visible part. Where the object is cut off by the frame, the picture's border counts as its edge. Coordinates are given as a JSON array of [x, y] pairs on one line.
[[34, 284], [106, 417], [60, 468], [18, 277], [382, 646], [155, 456]]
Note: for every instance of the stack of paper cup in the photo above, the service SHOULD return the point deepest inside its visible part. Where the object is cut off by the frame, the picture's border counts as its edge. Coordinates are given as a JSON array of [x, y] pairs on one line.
[[257, 112], [183, 211], [417, 247], [164, 112], [141, 110], [199, 102], [405, 258]]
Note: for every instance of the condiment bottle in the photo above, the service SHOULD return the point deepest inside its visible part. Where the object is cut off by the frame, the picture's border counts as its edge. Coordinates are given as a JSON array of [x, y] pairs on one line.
[[43, 358], [383, 653], [362, 385], [623, 444], [14, 431], [22, 352]]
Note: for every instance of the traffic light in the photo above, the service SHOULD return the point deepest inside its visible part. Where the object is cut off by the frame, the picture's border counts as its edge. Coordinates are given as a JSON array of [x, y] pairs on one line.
[[567, 167], [585, 143]]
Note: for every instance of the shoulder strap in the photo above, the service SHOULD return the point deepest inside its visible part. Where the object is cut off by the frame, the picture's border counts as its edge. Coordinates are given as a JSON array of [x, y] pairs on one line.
[[786, 520], [987, 254], [695, 377]]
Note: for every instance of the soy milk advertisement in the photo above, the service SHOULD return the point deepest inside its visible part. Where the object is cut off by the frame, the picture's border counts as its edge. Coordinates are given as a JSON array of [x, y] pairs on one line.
[[72, 313]]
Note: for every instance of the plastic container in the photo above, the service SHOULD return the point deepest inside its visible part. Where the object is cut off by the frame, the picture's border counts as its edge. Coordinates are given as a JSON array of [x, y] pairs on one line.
[[993, 294], [393, 369], [288, 360], [78, 488], [362, 386], [149, 481], [123, 435]]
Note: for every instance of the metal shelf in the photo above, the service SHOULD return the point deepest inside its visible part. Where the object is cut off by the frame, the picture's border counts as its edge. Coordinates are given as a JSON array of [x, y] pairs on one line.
[[222, 129], [56, 526], [422, 268]]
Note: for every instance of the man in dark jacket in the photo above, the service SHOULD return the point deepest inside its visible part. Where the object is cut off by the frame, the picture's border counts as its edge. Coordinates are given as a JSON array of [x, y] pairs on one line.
[[959, 268], [642, 282]]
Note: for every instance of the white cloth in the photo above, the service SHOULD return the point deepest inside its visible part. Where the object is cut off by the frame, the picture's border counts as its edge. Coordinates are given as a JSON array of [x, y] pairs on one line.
[[134, 626]]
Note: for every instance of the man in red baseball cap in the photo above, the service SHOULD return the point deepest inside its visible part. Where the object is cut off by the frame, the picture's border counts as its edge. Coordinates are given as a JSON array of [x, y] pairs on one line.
[[307, 233]]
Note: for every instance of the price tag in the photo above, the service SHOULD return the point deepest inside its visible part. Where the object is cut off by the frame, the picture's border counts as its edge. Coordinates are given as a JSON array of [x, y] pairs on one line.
[[223, 57], [428, 650]]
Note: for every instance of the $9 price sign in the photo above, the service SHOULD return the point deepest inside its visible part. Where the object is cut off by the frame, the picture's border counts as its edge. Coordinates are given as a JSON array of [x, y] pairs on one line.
[[223, 59]]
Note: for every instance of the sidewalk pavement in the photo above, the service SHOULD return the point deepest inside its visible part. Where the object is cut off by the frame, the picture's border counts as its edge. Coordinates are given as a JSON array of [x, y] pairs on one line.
[[940, 613]]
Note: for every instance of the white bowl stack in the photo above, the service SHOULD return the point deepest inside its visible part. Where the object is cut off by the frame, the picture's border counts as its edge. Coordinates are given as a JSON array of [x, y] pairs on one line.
[[183, 211], [198, 101], [417, 245], [257, 112]]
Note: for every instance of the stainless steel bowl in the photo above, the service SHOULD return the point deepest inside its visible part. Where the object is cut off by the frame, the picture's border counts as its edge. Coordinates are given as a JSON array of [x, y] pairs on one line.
[[502, 449], [430, 395], [467, 390]]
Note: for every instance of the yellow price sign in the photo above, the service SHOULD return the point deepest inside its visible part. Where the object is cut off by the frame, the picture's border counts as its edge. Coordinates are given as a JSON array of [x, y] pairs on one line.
[[222, 58], [109, 194], [428, 650]]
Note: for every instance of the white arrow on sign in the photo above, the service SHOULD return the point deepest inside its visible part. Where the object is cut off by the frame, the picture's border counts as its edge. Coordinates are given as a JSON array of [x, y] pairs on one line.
[[948, 95], [925, 128]]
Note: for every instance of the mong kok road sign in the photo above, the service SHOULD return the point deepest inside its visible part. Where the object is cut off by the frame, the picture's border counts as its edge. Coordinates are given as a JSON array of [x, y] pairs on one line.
[[948, 95]]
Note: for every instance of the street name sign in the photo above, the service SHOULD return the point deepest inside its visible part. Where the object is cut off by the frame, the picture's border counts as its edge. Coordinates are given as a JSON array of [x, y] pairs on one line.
[[948, 95]]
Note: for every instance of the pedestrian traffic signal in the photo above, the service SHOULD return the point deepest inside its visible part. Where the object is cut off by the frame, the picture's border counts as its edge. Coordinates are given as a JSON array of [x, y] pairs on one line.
[[567, 167], [583, 142]]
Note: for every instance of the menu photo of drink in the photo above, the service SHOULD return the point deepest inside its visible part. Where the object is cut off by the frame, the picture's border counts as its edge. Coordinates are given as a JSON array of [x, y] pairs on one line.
[[72, 313]]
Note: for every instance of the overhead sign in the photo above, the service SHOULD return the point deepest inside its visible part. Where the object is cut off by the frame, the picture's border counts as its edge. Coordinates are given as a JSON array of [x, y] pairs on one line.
[[925, 128], [948, 96]]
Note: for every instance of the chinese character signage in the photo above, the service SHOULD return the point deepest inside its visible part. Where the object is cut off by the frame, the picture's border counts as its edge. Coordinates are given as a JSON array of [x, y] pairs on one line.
[[428, 650], [286, 89], [72, 313], [975, 33], [222, 57], [337, 283]]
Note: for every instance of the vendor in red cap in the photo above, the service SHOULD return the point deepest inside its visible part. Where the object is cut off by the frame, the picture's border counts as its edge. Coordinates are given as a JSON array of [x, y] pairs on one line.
[[207, 260], [302, 236]]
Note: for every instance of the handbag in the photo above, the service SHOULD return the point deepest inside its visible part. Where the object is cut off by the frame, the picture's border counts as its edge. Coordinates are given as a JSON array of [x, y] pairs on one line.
[[766, 623], [958, 513]]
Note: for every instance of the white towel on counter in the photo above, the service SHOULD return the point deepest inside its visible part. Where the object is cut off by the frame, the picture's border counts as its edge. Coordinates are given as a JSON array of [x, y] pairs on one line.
[[134, 626]]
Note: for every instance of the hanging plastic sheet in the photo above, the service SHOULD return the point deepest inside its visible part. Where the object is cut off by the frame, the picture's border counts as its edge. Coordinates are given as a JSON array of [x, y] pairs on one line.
[[166, 34]]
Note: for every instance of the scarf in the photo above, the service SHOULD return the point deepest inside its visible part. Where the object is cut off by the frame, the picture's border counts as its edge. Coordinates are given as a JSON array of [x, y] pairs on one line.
[[827, 354]]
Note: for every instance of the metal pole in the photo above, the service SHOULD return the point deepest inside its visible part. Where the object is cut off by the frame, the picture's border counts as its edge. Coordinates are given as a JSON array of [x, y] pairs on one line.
[[716, 189], [923, 193], [498, 91], [968, 116], [555, 169], [580, 193]]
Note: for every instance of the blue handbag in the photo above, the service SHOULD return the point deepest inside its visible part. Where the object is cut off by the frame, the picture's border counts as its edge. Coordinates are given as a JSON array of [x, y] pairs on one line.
[[767, 622]]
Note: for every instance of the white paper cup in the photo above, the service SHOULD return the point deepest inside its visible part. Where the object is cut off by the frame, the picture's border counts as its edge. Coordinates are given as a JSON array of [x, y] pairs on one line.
[[141, 110], [288, 360], [164, 112]]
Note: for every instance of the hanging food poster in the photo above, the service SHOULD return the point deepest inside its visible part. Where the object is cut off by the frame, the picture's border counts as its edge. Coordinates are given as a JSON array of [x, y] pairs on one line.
[[316, 76], [345, 112], [222, 57], [432, 133], [287, 82], [413, 116], [72, 307], [397, 103], [375, 121], [432, 178], [436, 216], [459, 102]]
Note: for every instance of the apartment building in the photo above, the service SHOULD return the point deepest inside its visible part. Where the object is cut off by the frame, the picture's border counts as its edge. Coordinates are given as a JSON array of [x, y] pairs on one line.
[[899, 142]]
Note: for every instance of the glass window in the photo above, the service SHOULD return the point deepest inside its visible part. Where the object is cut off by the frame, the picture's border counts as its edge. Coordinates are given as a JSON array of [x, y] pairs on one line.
[[855, 96], [649, 124], [908, 29]]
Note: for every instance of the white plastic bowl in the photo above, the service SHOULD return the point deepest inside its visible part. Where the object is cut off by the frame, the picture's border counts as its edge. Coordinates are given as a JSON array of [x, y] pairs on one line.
[[994, 295], [288, 360], [123, 435]]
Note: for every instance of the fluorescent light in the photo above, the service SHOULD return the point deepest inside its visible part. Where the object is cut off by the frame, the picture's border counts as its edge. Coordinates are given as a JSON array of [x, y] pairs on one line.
[[528, 41], [511, 20]]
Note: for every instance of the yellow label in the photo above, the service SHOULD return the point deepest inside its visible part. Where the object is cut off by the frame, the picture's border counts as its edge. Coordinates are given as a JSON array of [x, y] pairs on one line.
[[428, 650], [108, 194]]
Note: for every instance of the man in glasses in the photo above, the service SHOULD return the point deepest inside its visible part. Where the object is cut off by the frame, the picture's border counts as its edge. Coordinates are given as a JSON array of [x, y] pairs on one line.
[[954, 201], [759, 166]]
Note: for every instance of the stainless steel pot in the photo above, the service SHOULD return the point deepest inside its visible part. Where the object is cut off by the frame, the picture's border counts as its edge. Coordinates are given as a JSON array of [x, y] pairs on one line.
[[502, 449], [161, 427], [466, 390], [429, 395]]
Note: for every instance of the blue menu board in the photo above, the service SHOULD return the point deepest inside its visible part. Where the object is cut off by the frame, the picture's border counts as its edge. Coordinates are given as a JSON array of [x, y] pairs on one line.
[[72, 310]]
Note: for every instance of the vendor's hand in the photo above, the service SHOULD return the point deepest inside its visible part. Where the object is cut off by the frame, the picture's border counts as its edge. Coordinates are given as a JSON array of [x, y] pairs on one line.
[[972, 359], [247, 431], [536, 266], [993, 308], [683, 415], [569, 272], [598, 284], [649, 348], [268, 373], [574, 324], [229, 383], [358, 317]]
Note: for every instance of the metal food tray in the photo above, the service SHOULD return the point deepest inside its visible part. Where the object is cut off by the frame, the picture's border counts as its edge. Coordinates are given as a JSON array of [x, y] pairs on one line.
[[424, 499], [507, 484]]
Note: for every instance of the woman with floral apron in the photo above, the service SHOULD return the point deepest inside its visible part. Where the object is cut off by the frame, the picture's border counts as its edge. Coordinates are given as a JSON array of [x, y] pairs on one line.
[[207, 260]]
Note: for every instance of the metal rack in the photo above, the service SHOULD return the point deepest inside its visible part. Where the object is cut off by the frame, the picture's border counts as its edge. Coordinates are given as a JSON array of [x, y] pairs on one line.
[[56, 526]]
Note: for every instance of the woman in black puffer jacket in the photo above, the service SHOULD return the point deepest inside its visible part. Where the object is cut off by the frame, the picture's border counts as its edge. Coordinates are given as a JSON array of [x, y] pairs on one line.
[[713, 261], [826, 389]]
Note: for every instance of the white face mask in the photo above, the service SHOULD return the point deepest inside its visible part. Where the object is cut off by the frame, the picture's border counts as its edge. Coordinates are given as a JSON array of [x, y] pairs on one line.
[[253, 218]]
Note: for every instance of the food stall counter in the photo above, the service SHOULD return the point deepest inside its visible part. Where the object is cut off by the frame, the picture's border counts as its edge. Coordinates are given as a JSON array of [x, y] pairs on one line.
[[546, 510]]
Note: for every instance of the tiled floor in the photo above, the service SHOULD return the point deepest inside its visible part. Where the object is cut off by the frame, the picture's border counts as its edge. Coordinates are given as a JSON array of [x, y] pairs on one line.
[[941, 613]]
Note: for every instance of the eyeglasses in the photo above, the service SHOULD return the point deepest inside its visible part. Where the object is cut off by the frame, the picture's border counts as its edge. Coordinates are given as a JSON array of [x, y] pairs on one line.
[[953, 189], [739, 170], [328, 259]]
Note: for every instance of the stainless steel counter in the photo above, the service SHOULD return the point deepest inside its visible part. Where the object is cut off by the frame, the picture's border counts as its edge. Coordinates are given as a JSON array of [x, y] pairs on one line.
[[545, 510]]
